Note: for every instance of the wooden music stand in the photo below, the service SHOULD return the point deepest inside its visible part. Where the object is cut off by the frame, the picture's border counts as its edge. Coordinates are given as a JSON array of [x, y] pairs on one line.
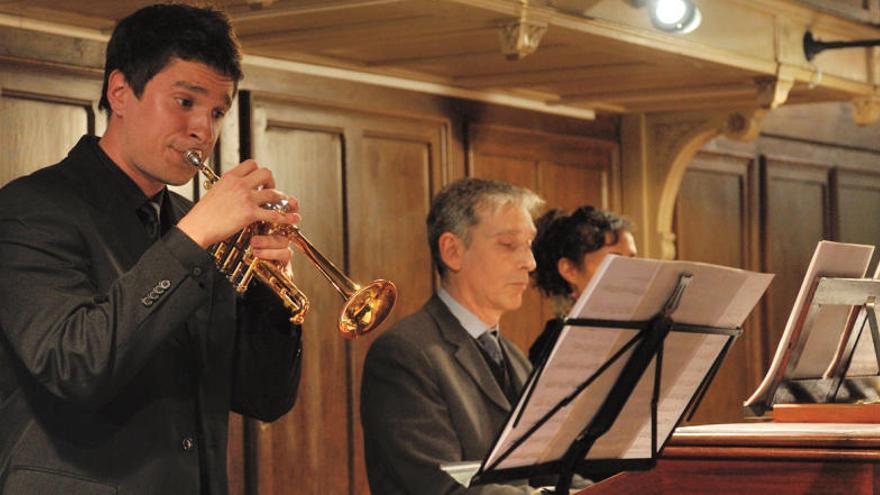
[[835, 387]]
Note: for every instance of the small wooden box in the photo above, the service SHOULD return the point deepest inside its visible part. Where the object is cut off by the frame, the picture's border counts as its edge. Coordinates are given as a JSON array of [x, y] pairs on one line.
[[826, 413]]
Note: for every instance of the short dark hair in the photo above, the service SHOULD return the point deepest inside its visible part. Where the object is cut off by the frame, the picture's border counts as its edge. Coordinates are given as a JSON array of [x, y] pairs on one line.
[[454, 209], [145, 42], [570, 236]]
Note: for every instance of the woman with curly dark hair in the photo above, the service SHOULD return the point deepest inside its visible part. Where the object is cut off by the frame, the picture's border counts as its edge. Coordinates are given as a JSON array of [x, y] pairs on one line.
[[568, 249]]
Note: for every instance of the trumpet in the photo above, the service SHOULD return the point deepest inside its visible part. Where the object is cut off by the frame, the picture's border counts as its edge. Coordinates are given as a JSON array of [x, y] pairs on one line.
[[365, 307]]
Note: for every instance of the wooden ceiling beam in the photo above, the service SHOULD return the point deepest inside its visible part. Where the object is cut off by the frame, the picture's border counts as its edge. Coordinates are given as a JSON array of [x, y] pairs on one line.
[[692, 105], [344, 34], [448, 57], [419, 60], [565, 75], [17, 15], [663, 94], [441, 35], [275, 12]]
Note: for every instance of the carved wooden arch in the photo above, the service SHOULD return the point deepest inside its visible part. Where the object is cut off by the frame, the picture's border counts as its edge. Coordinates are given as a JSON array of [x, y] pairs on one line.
[[673, 140]]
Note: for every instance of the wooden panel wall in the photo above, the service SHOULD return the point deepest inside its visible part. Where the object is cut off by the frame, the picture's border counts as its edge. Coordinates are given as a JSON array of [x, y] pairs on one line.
[[718, 196], [566, 171], [766, 212]]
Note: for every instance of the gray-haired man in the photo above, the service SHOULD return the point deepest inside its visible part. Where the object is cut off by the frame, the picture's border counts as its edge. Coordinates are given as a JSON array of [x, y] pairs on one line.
[[438, 386]]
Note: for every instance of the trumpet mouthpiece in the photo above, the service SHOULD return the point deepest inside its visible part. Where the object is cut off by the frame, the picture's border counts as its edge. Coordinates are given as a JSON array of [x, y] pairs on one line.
[[194, 157]]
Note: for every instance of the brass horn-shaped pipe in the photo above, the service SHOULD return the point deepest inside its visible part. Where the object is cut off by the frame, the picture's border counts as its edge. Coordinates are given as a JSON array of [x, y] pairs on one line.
[[365, 307]]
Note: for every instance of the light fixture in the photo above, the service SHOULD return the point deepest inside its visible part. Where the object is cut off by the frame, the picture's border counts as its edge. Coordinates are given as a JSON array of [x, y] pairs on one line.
[[522, 37], [674, 16]]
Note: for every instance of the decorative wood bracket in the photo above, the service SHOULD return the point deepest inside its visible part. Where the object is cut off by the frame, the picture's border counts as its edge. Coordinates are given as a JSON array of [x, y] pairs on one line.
[[743, 125], [673, 139], [772, 90], [866, 110]]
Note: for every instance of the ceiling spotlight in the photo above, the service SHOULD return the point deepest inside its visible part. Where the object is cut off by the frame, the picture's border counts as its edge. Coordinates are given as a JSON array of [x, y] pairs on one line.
[[674, 16]]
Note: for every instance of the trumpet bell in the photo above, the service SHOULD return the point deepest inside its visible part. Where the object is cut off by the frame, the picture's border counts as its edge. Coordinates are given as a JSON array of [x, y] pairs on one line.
[[367, 308]]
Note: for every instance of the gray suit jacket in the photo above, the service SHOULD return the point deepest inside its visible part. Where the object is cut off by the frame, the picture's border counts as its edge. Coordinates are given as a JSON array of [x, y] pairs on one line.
[[427, 398]]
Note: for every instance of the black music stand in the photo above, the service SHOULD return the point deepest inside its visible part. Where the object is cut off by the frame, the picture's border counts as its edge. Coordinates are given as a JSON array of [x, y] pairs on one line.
[[645, 346]]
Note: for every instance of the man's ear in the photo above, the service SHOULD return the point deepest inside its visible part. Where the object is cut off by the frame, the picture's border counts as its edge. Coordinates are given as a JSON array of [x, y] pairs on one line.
[[451, 250], [118, 92]]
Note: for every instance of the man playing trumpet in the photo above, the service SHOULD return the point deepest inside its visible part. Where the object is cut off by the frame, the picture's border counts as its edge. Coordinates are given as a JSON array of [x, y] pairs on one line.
[[122, 348]]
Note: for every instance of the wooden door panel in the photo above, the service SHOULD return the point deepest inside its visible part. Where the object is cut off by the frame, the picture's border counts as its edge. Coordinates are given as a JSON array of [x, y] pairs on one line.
[[712, 218], [521, 172], [298, 449], [858, 201], [393, 184], [27, 141], [388, 233], [569, 186], [797, 212]]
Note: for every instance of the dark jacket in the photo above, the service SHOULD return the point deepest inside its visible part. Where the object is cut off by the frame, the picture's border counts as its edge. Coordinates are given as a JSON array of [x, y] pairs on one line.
[[120, 360]]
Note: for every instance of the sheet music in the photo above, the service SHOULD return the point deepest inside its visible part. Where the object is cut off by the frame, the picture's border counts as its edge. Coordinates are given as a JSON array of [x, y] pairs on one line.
[[627, 289], [718, 296], [831, 259], [583, 350]]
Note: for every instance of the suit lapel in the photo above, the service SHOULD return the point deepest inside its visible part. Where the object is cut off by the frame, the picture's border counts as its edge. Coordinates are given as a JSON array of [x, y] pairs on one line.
[[115, 199], [123, 232], [125, 235], [467, 355]]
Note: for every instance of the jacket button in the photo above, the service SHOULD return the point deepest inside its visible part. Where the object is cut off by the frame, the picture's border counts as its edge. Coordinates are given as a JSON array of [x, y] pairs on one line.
[[197, 271], [188, 443]]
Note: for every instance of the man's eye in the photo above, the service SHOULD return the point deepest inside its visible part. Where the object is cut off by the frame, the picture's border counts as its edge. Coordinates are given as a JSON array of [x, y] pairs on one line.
[[185, 102], [219, 114]]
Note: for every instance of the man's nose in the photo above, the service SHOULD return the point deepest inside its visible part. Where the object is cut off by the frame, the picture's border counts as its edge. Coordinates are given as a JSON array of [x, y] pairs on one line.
[[201, 127]]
